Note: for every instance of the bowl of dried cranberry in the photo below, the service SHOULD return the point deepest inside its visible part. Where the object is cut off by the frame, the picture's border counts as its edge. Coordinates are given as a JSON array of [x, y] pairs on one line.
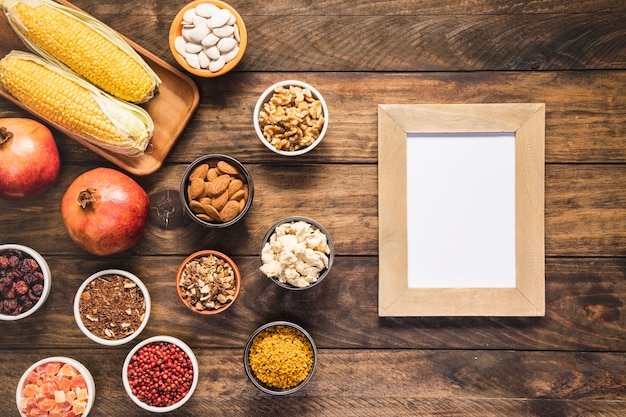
[[25, 281], [160, 374]]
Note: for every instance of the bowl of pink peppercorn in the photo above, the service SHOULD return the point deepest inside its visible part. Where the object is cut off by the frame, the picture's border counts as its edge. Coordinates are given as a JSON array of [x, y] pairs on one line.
[[160, 374], [25, 281]]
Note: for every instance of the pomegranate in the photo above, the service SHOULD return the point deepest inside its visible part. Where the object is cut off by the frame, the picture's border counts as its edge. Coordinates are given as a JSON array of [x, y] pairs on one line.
[[105, 211], [29, 158]]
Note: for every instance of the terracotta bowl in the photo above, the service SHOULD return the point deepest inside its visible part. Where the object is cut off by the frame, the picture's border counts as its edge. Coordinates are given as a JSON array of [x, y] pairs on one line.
[[183, 288], [24, 252], [176, 30]]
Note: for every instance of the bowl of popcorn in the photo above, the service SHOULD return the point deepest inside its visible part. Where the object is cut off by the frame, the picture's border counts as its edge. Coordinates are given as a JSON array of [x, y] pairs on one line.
[[216, 191], [56, 386], [297, 253], [291, 118], [160, 374], [208, 282], [112, 307], [208, 38], [25, 281], [280, 358]]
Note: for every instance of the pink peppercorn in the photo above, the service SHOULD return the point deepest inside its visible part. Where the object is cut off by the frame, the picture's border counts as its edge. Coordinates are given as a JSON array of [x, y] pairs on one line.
[[151, 369]]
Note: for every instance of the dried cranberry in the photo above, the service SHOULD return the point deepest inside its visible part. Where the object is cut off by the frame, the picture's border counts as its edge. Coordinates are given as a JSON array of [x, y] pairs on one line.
[[9, 306], [14, 261], [5, 284], [29, 265], [4, 262], [21, 287], [36, 291]]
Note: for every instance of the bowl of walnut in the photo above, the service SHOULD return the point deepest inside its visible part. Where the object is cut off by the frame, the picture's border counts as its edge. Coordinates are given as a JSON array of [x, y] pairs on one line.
[[291, 118], [216, 191], [25, 281], [208, 282], [297, 253], [112, 307]]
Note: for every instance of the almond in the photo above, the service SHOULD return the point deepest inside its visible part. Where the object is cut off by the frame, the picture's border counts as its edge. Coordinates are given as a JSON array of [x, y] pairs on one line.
[[196, 188], [212, 212], [212, 174], [230, 211], [220, 201], [196, 206], [219, 185], [239, 195], [224, 167], [199, 172], [234, 186]]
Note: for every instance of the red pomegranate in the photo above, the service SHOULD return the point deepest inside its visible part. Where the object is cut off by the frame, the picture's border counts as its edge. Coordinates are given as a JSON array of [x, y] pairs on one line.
[[105, 211]]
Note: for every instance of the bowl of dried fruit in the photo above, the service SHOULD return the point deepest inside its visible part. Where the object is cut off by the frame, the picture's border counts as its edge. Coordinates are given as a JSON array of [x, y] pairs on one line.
[[297, 253], [112, 307], [291, 118], [208, 38], [216, 191], [160, 374], [58, 386], [280, 358], [208, 282], [25, 281]]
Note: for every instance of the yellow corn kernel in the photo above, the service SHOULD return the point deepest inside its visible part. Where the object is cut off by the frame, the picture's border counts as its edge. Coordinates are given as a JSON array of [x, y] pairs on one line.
[[85, 45], [76, 105]]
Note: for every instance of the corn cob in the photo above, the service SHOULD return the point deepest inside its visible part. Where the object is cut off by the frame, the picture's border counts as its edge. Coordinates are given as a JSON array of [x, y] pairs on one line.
[[85, 45], [76, 105]]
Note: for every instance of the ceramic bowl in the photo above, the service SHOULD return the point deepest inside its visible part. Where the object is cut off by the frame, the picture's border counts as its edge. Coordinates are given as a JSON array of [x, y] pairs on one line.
[[176, 30], [201, 215], [32, 291], [183, 288], [267, 95], [112, 340], [256, 354], [167, 340], [57, 366], [315, 225]]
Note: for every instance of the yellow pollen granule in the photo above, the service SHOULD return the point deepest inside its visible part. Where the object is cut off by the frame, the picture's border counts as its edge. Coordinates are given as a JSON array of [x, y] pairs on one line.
[[281, 357]]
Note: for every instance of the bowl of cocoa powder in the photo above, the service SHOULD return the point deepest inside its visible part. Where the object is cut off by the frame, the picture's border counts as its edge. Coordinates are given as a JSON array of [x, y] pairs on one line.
[[25, 281]]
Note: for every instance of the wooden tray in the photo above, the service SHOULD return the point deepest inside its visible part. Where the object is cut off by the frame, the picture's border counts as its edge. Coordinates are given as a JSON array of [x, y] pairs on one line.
[[171, 109]]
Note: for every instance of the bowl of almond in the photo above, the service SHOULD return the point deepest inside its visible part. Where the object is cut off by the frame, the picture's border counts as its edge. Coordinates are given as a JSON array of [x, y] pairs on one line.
[[216, 191]]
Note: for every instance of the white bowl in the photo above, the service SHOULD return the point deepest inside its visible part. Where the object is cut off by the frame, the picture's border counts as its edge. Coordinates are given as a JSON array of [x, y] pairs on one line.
[[47, 280], [185, 349], [267, 94], [91, 386], [79, 320]]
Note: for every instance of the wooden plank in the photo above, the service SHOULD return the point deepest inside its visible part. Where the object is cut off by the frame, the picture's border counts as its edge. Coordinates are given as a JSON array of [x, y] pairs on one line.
[[585, 214], [589, 129], [378, 382], [585, 301]]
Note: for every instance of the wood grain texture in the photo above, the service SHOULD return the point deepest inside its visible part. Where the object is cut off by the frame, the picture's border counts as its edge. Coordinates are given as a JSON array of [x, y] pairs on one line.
[[569, 55]]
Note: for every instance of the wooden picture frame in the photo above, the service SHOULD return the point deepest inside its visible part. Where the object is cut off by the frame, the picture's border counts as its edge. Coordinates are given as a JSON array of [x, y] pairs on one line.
[[526, 121]]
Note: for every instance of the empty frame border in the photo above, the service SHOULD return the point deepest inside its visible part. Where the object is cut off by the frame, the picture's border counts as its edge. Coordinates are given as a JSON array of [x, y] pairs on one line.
[[527, 122]]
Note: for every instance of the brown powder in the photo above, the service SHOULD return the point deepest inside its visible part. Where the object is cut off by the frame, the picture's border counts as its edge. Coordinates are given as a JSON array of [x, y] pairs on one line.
[[112, 307]]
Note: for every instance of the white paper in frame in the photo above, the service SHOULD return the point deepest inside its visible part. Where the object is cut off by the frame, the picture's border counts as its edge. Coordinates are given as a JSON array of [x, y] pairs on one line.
[[461, 209]]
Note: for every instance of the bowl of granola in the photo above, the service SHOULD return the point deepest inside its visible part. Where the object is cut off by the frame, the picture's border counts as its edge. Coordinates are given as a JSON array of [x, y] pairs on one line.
[[112, 307], [208, 282], [291, 117], [297, 253], [25, 281]]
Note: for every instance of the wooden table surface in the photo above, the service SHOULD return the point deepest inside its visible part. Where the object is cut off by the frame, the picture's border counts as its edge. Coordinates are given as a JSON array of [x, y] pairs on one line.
[[572, 362]]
